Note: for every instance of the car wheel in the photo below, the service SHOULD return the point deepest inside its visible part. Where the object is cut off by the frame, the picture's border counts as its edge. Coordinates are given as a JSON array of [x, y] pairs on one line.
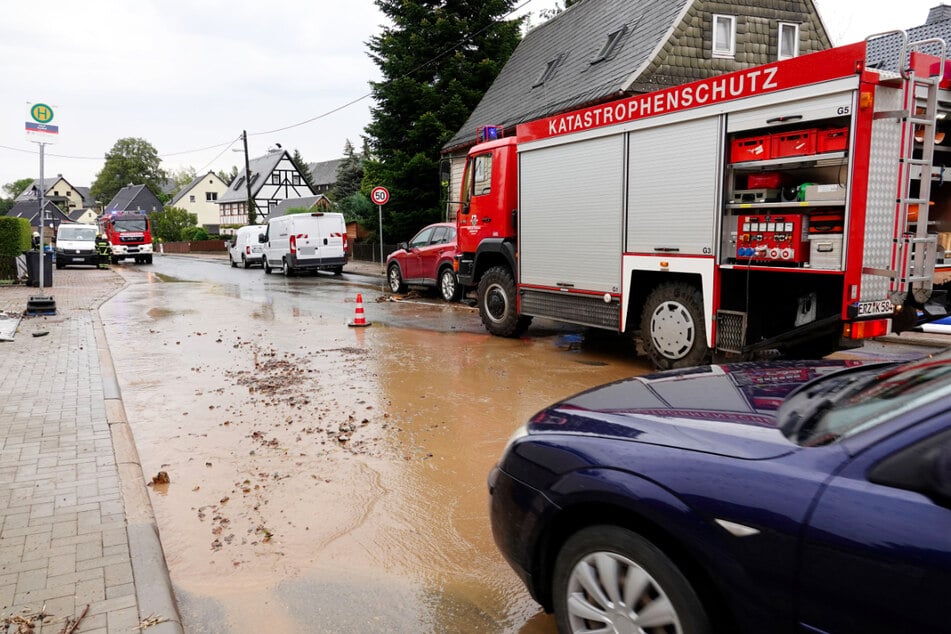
[[286, 267], [610, 579], [448, 285], [395, 279], [497, 304], [672, 327], [244, 261], [337, 270], [231, 261], [267, 266]]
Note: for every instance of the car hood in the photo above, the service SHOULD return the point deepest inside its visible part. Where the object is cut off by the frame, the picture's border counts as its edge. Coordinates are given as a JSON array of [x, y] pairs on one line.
[[727, 410], [76, 244]]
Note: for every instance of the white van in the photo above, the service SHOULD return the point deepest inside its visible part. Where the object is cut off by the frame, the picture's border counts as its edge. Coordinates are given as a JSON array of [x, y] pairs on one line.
[[246, 246], [76, 244], [315, 241]]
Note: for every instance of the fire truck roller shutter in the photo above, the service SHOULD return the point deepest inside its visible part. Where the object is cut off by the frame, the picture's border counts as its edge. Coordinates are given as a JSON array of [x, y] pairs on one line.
[[674, 187], [570, 206]]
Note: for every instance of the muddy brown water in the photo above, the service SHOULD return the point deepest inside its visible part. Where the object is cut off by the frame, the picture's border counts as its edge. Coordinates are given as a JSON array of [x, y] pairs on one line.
[[326, 478]]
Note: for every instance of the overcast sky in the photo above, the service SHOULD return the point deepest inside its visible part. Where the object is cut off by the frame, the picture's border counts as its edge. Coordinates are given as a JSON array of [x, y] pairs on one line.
[[193, 74]]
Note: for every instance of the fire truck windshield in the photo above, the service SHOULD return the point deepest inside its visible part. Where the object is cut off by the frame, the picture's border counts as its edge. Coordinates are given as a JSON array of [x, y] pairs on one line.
[[131, 224]]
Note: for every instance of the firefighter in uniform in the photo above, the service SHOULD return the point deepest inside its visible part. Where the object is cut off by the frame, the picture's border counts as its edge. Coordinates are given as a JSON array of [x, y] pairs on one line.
[[102, 248]]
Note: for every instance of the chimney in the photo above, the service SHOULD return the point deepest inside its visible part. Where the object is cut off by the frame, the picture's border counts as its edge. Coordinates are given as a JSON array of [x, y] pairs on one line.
[[940, 13]]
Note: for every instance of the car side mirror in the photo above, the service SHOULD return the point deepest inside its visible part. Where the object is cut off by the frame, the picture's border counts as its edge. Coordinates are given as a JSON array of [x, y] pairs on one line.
[[404, 246]]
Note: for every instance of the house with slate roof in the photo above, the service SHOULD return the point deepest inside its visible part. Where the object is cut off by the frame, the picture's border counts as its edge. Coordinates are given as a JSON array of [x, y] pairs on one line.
[[200, 197], [324, 175], [134, 198], [83, 216], [30, 209], [58, 190], [274, 177], [883, 52], [601, 50]]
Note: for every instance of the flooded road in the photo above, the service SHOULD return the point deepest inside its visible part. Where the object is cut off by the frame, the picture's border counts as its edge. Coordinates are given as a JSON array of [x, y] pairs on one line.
[[326, 478]]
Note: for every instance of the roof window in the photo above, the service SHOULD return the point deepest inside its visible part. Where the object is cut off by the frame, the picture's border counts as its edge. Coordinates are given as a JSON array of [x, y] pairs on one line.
[[610, 45], [548, 72]]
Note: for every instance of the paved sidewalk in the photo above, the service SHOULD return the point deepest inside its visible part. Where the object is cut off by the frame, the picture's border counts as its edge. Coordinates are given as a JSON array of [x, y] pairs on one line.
[[76, 524]]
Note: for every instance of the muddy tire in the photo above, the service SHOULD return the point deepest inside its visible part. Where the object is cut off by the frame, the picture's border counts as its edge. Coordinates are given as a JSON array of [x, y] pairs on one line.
[[672, 327], [601, 565], [449, 285], [395, 279], [497, 304]]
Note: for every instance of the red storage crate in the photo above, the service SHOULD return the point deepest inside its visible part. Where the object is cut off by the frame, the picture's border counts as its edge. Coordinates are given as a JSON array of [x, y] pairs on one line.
[[793, 143], [752, 148], [765, 180], [833, 140]]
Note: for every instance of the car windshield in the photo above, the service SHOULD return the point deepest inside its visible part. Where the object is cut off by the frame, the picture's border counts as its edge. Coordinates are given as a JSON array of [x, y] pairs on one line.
[[854, 400], [138, 224], [77, 233]]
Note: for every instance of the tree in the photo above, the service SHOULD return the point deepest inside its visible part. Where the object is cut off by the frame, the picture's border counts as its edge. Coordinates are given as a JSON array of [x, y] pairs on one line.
[[349, 175], [181, 177], [131, 161], [17, 187], [228, 177], [301, 165], [169, 223], [437, 60]]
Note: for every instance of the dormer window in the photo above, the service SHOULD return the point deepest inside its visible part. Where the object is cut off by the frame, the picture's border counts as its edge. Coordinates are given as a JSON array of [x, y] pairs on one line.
[[548, 72], [610, 45], [238, 183], [724, 36], [788, 40]]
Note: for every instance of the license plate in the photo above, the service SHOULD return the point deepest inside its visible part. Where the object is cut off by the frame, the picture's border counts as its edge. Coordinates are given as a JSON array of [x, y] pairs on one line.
[[77, 259], [880, 307]]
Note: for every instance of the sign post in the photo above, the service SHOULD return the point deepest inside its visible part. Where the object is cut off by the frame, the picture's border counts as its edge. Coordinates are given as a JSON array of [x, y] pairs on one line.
[[381, 196], [41, 130]]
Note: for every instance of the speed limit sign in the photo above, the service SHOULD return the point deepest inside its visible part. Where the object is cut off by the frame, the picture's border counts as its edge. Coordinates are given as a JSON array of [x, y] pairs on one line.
[[380, 195]]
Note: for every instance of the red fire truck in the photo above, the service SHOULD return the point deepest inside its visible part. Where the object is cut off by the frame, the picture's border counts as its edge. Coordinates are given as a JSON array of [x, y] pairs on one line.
[[784, 206], [129, 235]]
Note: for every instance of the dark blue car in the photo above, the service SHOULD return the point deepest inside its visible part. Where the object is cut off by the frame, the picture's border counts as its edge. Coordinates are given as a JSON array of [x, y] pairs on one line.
[[756, 497]]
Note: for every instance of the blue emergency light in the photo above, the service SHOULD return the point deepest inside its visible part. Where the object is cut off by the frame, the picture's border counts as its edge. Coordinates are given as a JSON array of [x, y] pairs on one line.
[[489, 133]]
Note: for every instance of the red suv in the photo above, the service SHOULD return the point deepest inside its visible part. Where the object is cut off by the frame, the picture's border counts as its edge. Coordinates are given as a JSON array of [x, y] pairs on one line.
[[426, 261]]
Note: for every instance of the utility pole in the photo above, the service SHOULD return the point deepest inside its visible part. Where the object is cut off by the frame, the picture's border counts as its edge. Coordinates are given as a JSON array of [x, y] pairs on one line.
[[252, 208]]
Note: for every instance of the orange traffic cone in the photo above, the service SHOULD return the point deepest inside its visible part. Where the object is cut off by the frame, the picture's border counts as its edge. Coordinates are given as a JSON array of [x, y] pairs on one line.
[[359, 320]]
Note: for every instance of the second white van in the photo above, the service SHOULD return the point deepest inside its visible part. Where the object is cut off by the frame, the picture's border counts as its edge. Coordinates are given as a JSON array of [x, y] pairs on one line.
[[315, 241], [246, 248]]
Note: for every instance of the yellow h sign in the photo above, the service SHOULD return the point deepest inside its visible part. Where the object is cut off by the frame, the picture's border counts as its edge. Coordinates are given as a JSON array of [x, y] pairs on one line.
[[41, 113]]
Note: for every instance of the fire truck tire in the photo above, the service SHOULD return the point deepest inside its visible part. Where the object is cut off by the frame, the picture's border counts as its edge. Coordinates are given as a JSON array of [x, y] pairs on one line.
[[148, 259], [115, 260], [497, 306], [395, 279], [449, 285], [672, 327]]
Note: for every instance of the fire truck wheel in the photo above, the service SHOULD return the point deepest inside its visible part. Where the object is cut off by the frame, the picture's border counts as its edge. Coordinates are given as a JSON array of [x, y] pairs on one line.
[[395, 279], [672, 327], [497, 304], [448, 285]]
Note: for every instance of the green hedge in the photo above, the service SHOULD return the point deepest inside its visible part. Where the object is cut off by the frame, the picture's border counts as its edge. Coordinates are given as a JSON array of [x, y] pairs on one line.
[[14, 236]]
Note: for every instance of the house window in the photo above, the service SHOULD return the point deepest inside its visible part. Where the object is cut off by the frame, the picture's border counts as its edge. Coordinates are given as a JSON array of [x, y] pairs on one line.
[[548, 71], [191, 198], [724, 36], [295, 179], [210, 196], [238, 183], [610, 45], [788, 40], [275, 179]]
